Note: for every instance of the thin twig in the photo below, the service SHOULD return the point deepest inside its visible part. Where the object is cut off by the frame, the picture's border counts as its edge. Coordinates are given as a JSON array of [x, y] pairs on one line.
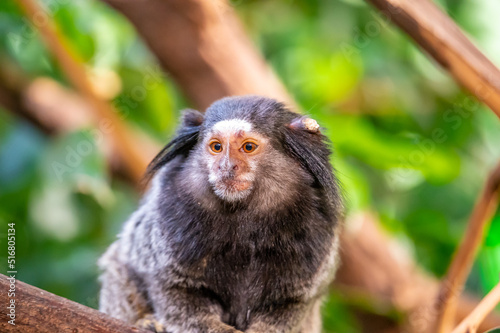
[[444, 41], [126, 146], [471, 323], [464, 257]]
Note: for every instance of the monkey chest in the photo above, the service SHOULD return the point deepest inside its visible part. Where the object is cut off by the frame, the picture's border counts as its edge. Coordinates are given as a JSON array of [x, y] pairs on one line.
[[248, 280], [250, 271]]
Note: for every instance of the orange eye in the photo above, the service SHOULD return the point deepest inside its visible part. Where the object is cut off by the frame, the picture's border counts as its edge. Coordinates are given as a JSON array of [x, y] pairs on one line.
[[249, 147], [216, 147]]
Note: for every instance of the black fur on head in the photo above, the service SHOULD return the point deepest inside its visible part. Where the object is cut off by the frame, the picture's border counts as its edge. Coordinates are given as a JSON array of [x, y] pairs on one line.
[[310, 148], [184, 140]]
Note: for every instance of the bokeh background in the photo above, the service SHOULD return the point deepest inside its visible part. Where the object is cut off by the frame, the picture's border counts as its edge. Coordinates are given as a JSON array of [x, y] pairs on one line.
[[410, 145]]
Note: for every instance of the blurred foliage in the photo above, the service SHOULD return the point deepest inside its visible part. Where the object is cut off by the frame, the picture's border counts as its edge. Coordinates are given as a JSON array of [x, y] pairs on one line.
[[409, 144]]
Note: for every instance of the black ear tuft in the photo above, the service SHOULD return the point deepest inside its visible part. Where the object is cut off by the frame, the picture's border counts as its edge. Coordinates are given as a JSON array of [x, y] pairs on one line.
[[184, 140], [304, 142]]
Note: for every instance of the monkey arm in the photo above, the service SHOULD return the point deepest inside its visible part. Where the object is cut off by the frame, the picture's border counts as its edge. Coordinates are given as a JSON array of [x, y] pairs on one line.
[[187, 310], [121, 295]]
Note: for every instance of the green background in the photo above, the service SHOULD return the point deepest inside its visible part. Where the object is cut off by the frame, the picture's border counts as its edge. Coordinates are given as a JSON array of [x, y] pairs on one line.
[[410, 145]]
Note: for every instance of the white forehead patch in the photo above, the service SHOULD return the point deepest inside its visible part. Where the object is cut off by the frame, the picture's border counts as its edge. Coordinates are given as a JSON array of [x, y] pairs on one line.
[[232, 126]]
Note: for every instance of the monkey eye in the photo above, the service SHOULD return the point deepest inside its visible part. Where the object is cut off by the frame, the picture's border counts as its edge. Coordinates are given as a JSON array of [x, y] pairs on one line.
[[216, 147], [249, 147]]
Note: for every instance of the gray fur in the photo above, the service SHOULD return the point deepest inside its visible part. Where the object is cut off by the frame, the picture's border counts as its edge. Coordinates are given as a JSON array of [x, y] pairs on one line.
[[200, 264]]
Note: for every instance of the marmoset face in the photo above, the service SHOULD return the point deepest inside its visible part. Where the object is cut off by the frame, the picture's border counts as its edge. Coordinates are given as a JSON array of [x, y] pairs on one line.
[[233, 151]]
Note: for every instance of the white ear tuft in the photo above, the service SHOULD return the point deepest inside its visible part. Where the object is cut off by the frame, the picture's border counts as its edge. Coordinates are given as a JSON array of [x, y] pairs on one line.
[[305, 124]]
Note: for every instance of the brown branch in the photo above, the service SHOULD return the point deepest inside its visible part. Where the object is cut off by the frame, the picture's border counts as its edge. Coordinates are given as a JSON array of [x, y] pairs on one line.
[[12, 83], [203, 46], [376, 265], [38, 311], [437, 34], [56, 109], [471, 323], [464, 257], [125, 144]]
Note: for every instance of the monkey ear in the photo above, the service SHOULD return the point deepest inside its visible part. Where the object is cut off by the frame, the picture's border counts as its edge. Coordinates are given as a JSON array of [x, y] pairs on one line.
[[305, 124], [304, 142], [192, 118], [184, 140]]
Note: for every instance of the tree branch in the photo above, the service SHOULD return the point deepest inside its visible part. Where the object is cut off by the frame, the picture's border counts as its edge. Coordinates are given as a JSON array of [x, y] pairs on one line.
[[38, 311], [56, 109], [124, 144], [43, 101], [437, 34], [471, 323], [376, 265], [204, 47], [12, 84], [464, 257]]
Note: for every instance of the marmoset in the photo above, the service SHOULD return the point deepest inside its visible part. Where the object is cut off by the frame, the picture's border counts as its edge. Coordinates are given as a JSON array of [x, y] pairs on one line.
[[238, 231]]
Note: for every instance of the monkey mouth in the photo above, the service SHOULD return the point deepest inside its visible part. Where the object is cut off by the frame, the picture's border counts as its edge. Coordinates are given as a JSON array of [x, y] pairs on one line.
[[233, 185], [232, 189]]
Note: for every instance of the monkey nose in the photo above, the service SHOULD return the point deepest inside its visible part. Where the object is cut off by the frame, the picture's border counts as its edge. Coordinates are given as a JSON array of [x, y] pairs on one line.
[[229, 167], [229, 172]]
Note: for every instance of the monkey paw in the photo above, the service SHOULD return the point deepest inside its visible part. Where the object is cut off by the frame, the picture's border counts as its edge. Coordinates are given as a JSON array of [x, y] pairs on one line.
[[150, 323]]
